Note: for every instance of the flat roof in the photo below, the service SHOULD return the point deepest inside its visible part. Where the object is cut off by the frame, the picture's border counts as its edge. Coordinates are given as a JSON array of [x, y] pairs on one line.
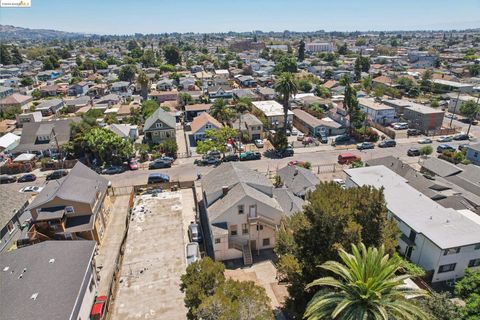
[[452, 83], [423, 109], [445, 227], [372, 104], [270, 108]]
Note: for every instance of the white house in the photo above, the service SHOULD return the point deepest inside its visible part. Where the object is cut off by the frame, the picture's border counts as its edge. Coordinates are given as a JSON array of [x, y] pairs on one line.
[[124, 131], [274, 113], [443, 241], [377, 112]]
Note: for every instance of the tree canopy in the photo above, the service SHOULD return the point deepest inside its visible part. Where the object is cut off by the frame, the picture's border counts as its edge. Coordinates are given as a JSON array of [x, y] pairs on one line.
[[172, 55]]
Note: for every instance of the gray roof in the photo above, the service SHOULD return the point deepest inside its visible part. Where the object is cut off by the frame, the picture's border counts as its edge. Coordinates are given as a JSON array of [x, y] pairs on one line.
[[475, 147], [57, 283], [289, 202], [80, 101], [446, 228], [161, 115], [247, 119], [298, 180], [28, 140], [12, 202], [440, 167], [80, 185], [47, 104]]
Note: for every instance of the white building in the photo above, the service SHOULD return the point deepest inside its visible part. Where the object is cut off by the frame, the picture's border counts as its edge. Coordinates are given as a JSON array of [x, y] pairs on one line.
[[319, 47], [274, 113], [377, 112], [442, 241]]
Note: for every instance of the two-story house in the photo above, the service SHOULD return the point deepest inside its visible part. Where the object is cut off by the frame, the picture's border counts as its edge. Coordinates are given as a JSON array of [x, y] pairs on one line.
[[377, 112], [224, 92], [202, 123], [159, 126], [273, 111], [74, 207], [80, 88], [250, 124], [50, 107], [473, 153]]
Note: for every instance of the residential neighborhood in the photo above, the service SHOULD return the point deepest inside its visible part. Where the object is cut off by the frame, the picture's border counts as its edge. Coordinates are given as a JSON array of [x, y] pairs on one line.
[[197, 174]]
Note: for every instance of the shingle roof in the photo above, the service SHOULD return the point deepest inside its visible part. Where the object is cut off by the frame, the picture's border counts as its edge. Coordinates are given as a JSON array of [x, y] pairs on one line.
[[440, 167], [202, 120], [161, 115], [298, 180], [198, 107], [54, 270]]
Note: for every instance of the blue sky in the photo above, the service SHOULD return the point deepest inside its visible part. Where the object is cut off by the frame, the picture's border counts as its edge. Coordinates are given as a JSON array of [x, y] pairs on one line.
[[149, 16]]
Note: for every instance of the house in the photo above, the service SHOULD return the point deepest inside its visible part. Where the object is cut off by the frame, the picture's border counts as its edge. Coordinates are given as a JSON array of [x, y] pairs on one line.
[[8, 142], [48, 280], [421, 59], [15, 101], [48, 75], [30, 117], [50, 107], [242, 212], [456, 102], [49, 90], [266, 93], [244, 94], [80, 88], [75, 207], [249, 124], [124, 131], [202, 123], [216, 92], [443, 241], [447, 86], [109, 100], [246, 81], [44, 137], [315, 127], [159, 126], [398, 104], [122, 88], [76, 104], [298, 180], [194, 110], [165, 84], [423, 118], [5, 92], [473, 153], [377, 112], [273, 111], [12, 217], [162, 96], [382, 81]]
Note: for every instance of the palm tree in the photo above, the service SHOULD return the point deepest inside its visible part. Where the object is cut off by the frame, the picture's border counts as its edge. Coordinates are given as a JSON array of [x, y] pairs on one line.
[[368, 288], [286, 86], [142, 80], [221, 111]]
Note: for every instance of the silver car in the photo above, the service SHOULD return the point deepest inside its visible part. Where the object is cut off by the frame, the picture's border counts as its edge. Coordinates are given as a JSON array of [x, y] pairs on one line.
[[192, 252]]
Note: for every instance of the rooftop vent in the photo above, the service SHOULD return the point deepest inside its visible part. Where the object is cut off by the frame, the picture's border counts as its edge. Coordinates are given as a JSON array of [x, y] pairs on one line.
[[51, 260], [34, 296], [6, 268]]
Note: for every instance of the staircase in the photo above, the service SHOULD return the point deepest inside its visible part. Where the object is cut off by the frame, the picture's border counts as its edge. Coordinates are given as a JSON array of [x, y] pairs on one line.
[[243, 246]]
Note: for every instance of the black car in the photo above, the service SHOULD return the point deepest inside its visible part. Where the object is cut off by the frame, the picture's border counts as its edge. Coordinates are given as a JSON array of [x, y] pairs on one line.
[[413, 152], [387, 144], [413, 132], [4, 178], [159, 164], [57, 174], [230, 157], [284, 153], [462, 147], [461, 137], [27, 178], [342, 138], [445, 147], [323, 138], [158, 178]]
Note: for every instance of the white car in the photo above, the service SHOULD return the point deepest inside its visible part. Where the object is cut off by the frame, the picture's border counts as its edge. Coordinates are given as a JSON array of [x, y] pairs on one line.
[[300, 136], [31, 189], [340, 182], [400, 126], [294, 132], [444, 139], [425, 141], [192, 253], [258, 143]]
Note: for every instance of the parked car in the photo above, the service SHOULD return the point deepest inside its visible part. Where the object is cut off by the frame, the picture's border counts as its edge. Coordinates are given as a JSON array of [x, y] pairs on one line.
[[347, 158], [413, 152], [133, 164], [230, 157], [300, 136], [158, 178], [192, 253], [258, 143], [113, 170], [387, 144], [5, 178], [365, 145], [288, 152], [250, 155], [445, 147], [99, 308], [307, 140], [209, 160], [462, 147], [296, 163], [57, 174], [294, 132], [340, 182], [240, 146], [342, 138], [451, 116], [166, 159], [288, 132], [31, 189], [425, 141], [194, 233], [413, 132], [444, 139], [159, 164], [214, 153], [400, 126], [28, 177], [461, 137], [323, 138]]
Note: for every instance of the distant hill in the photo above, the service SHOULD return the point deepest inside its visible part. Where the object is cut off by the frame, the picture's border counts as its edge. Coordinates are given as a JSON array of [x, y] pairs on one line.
[[19, 33]]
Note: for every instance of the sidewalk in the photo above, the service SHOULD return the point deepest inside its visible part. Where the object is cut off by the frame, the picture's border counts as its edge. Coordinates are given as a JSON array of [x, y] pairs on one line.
[[107, 253]]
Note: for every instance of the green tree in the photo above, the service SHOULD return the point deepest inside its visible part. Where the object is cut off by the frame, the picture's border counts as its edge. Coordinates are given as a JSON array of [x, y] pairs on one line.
[[474, 69], [366, 286], [426, 82], [132, 44], [100, 65], [301, 51], [168, 147], [426, 150], [148, 108], [127, 73], [343, 49], [279, 140], [36, 94], [149, 59], [287, 63], [470, 109], [439, 307], [16, 55], [469, 284], [216, 140], [304, 85], [434, 103], [5, 56], [27, 81], [172, 55], [287, 87], [322, 91], [185, 98], [221, 111], [350, 102], [106, 146], [143, 82]]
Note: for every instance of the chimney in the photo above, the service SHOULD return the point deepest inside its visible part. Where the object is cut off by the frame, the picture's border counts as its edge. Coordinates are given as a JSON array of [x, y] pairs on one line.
[[224, 190]]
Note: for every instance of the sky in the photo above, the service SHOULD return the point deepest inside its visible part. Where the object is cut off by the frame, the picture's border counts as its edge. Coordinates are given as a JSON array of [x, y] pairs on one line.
[[149, 16]]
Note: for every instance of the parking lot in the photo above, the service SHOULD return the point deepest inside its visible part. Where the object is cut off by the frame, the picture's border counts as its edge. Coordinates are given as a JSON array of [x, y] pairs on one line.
[[154, 260]]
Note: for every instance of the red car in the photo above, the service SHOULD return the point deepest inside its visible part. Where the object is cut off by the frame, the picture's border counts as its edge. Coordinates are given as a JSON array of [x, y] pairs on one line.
[[99, 308], [296, 163], [133, 164]]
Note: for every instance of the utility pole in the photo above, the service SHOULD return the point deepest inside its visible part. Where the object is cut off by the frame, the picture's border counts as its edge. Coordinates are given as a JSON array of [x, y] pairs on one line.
[[455, 108], [474, 116]]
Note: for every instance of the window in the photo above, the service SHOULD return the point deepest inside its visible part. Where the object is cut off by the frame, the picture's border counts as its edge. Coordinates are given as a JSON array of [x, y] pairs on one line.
[[10, 226], [474, 263], [158, 125], [412, 236], [241, 209], [244, 228], [218, 240], [92, 284], [451, 251], [266, 242], [208, 126], [233, 230], [252, 211], [69, 210], [447, 268], [259, 227], [477, 247]]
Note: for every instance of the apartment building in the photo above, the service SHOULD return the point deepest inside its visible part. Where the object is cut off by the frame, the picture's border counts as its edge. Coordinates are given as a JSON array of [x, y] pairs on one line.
[[377, 112]]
